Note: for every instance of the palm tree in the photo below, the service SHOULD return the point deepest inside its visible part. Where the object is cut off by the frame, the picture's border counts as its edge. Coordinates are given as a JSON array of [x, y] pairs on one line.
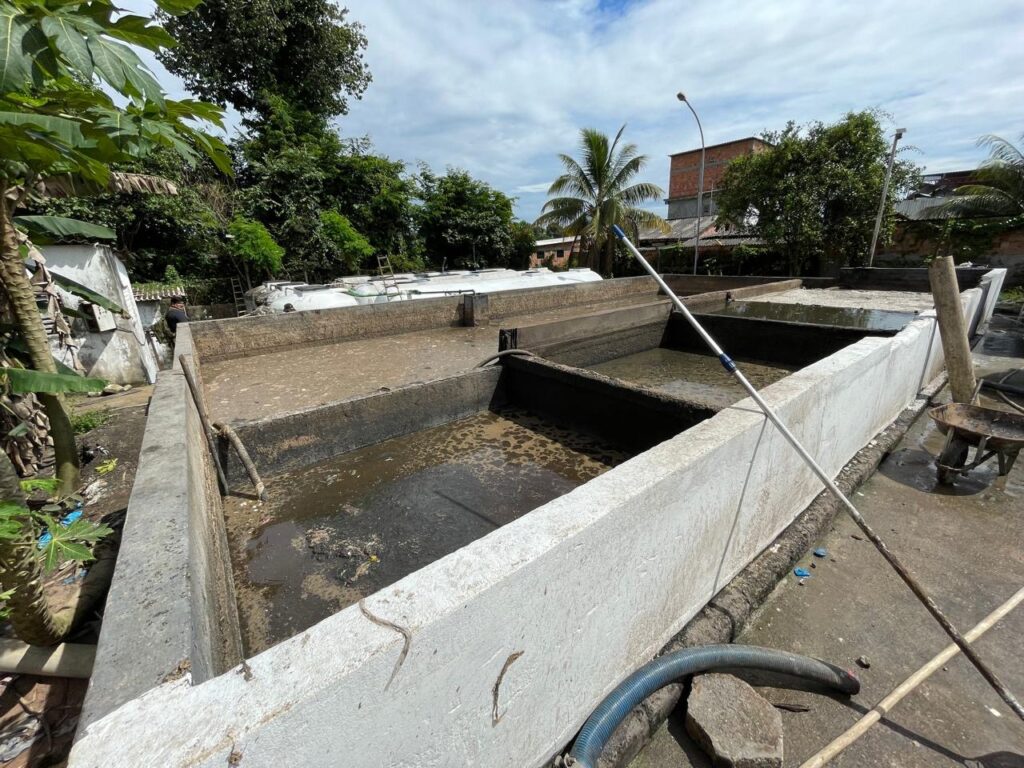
[[595, 193], [999, 191]]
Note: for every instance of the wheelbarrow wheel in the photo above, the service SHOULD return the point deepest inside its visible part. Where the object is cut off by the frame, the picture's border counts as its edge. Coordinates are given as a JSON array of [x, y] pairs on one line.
[[952, 460]]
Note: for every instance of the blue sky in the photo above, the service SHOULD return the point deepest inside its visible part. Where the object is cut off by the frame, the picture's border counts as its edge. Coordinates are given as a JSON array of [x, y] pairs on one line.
[[500, 87]]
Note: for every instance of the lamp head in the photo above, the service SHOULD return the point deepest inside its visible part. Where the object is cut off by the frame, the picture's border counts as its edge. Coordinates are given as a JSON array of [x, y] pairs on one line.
[[681, 96], [900, 132]]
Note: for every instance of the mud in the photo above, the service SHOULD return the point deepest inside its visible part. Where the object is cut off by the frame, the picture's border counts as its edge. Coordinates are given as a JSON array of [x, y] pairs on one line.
[[343, 529], [694, 377], [845, 317]]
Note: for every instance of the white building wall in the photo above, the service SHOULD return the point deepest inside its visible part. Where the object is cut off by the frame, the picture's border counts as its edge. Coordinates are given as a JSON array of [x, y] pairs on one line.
[[120, 356], [568, 600]]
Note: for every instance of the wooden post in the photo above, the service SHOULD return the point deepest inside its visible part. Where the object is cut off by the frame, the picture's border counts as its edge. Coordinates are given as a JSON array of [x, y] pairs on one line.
[[942, 276]]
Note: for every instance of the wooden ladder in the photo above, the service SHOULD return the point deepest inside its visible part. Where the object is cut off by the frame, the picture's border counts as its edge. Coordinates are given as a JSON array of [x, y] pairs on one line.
[[239, 297], [387, 272]]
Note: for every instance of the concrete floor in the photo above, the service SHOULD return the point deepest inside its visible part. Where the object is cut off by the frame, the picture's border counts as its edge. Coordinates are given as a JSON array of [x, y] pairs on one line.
[[262, 386], [965, 545]]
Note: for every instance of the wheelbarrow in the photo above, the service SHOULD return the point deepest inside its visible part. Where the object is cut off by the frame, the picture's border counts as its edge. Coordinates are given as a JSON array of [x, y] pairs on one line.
[[989, 431]]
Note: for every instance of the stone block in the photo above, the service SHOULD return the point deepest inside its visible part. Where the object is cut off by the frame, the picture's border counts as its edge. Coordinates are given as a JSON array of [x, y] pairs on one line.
[[733, 723]]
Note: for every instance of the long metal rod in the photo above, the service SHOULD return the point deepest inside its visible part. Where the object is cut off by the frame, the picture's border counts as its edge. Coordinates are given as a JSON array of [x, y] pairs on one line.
[[885, 192], [908, 578], [885, 706]]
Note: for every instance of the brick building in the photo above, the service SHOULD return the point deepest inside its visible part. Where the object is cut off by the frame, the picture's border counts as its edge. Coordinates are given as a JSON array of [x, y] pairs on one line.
[[684, 175]]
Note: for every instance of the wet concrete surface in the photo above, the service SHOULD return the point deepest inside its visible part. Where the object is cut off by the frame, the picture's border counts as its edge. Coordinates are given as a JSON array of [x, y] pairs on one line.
[[262, 386], [846, 317], [694, 377], [267, 385], [890, 301], [964, 543], [338, 531]]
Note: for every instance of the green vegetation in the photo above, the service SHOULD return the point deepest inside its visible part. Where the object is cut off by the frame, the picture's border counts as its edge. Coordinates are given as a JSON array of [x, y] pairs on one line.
[[464, 221], [343, 243], [251, 244], [25, 562], [597, 192], [87, 421], [812, 197], [1012, 295], [241, 52], [61, 132], [969, 224]]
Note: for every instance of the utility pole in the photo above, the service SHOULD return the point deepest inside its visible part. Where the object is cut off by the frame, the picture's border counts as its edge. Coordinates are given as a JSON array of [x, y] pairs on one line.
[[885, 192]]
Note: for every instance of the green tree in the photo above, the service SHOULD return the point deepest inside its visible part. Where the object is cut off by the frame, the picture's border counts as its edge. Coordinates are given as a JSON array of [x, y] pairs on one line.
[[377, 197], [60, 133], [812, 197], [344, 244], [597, 192], [464, 221], [252, 248], [524, 243], [238, 52]]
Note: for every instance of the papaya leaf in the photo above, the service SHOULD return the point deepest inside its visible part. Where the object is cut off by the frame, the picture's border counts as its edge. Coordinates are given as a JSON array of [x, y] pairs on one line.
[[69, 542]]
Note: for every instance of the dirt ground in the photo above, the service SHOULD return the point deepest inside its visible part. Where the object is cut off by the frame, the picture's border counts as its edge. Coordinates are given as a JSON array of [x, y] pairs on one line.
[[38, 715], [965, 545]]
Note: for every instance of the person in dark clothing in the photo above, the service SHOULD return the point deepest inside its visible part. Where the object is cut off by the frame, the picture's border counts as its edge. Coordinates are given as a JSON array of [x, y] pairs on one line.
[[175, 314]]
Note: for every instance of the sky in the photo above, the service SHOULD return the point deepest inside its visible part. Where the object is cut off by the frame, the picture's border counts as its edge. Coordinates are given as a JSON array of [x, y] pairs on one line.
[[500, 87]]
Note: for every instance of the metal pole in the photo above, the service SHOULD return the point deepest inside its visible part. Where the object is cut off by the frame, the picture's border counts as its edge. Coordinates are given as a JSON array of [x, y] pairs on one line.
[[885, 192], [880, 545], [700, 181]]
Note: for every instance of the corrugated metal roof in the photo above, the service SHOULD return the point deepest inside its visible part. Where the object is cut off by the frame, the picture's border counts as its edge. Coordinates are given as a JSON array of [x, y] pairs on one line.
[[554, 241], [920, 208], [685, 230]]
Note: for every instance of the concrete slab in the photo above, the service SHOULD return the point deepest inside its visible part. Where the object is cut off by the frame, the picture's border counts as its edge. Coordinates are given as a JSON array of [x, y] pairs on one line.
[[964, 545], [266, 385], [262, 386]]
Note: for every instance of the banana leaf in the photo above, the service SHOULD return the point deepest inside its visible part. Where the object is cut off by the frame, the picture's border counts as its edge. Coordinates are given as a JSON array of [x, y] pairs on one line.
[[45, 230], [79, 290], [23, 381]]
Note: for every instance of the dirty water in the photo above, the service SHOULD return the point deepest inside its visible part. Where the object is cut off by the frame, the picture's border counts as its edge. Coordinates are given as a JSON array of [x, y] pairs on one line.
[[343, 529], [693, 377], [844, 317], [914, 463]]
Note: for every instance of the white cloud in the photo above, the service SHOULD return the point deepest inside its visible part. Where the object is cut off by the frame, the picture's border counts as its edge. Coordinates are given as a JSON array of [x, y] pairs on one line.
[[500, 87]]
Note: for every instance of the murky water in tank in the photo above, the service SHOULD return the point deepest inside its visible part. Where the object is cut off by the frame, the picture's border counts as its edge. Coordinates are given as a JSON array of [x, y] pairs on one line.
[[697, 378], [337, 531], [846, 317]]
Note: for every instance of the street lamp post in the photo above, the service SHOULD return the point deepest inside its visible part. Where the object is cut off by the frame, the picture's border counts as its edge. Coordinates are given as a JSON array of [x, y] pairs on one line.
[[885, 192], [700, 181]]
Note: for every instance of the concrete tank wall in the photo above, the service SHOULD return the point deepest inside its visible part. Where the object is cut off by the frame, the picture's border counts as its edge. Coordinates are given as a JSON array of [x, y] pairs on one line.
[[509, 643]]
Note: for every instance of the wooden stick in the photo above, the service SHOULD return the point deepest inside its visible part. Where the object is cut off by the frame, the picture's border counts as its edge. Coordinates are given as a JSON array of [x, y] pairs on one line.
[[953, 332], [885, 706], [197, 398], [243, 454]]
